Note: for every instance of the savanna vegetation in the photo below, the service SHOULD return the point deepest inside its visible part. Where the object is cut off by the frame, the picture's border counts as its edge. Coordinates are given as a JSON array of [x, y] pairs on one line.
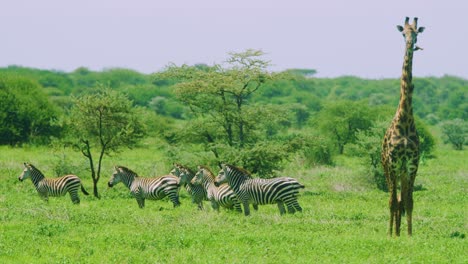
[[324, 132]]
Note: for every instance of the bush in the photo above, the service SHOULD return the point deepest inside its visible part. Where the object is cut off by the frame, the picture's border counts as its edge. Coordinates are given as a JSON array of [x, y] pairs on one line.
[[455, 132], [26, 115]]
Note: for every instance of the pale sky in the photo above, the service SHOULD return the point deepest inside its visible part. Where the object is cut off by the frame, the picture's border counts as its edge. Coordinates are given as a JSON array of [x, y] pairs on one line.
[[335, 37]]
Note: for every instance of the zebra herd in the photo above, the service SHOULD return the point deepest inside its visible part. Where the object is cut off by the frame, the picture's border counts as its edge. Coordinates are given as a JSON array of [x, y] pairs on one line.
[[233, 187]]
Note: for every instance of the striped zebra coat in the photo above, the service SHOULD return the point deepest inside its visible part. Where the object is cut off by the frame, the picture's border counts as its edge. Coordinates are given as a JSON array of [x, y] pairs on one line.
[[147, 188], [222, 195], [196, 191], [53, 186], [282, 190]]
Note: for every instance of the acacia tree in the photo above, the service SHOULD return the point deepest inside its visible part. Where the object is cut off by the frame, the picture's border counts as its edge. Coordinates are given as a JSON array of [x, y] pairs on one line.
[[101, 124], [224, 119]]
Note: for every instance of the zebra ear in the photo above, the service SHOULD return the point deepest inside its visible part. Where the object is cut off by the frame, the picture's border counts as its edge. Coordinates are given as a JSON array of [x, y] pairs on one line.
[[25, 164]]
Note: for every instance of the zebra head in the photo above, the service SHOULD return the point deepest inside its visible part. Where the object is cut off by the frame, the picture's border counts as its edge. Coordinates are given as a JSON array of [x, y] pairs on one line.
[[116, 177], [26, 172], [184, 174], [221, 178], [197, 179]]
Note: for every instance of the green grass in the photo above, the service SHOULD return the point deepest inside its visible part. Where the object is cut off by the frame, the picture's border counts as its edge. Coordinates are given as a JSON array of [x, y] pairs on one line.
[[344, 219]]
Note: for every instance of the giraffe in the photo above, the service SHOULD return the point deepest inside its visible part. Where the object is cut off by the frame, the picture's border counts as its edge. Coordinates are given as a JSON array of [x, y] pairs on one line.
[[400, 147]]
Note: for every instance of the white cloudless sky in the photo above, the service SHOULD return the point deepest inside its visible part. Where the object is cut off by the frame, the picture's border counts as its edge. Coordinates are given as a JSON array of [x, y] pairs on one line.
[[335, 37]]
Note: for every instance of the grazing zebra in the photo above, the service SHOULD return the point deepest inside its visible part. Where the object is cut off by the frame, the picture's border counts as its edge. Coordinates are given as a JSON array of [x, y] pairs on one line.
[[53, 186], [283, 190], [147, 188], [196, 191], [222, 195]]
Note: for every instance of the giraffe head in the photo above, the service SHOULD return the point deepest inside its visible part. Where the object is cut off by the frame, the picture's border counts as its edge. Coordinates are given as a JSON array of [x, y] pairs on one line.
[[410, 32]]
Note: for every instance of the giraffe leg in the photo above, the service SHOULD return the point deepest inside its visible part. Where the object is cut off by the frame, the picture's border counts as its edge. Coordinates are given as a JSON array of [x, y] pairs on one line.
[[409, 213], [398, 212], [393, 205], [413, 169]]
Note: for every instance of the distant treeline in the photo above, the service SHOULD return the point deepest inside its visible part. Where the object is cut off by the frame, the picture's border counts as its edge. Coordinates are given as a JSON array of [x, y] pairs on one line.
[[269, 116], [435, 99]]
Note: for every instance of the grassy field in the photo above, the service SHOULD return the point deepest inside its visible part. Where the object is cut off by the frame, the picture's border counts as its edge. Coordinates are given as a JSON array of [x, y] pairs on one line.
[[344, 219]]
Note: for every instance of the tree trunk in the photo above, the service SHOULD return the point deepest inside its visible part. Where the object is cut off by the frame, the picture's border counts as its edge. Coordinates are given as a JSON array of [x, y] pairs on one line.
[[87, 153]]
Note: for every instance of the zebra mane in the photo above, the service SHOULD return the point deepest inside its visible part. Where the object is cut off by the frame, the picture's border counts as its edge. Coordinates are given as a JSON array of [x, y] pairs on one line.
[[209, 172], [127, 170], [32, 167], [239, 169], [185, 168]]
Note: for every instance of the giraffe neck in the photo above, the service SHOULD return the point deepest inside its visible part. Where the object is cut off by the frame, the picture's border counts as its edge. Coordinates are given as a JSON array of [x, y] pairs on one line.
[[405, 107]]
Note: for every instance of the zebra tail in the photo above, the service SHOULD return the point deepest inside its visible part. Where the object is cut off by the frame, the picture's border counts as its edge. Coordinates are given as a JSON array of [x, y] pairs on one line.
[[83, 190]]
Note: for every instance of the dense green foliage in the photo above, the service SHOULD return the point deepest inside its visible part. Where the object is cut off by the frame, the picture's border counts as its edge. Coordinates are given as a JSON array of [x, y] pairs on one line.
[[25, 111], [241, 113]]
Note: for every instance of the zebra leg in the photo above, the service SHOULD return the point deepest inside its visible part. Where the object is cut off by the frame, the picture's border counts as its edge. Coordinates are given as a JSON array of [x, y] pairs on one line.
[[281, 207], [198, 202], [246, 208], [297, 206], [141, 202], [44, 197], [237, 207], [174, 197], [200, 206], [215, 205], [293, 205], [291, 209], [74, 197], [255, 206]]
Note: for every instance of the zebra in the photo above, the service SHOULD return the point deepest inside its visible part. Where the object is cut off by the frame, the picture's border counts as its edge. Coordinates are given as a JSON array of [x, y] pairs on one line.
[[197, 192], [147, 188], [54, 187], [282, 190], [222, 195]]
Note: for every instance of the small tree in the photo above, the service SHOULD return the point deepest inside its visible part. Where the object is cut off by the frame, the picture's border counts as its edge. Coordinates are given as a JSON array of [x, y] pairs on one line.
[[368, 145], [103, 123], [224, 119], [455, 132], [341, 120]]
